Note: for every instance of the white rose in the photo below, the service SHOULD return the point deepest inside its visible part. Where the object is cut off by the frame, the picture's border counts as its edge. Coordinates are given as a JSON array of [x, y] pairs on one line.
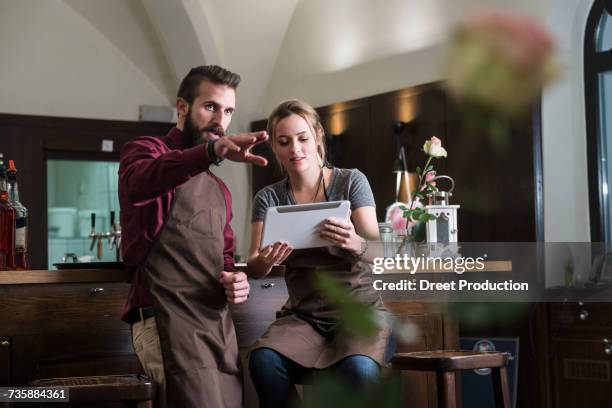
[[433, 147]]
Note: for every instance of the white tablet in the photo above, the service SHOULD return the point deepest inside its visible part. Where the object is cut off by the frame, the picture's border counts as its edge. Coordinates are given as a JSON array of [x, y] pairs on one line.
[[298, 224]]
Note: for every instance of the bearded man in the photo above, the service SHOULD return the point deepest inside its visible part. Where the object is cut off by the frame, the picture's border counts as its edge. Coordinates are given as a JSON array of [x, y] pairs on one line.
[[178, 245]]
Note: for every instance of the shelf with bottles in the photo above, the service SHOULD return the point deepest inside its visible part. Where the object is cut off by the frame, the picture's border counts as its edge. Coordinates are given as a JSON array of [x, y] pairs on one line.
[[13, 220]]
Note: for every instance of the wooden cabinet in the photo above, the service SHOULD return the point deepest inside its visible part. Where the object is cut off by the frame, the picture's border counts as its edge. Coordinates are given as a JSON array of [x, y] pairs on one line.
[[580, 341], [63, 329], [61, 308]]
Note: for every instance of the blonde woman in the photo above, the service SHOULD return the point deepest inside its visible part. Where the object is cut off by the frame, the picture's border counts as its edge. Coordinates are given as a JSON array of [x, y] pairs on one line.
[[304, 338]]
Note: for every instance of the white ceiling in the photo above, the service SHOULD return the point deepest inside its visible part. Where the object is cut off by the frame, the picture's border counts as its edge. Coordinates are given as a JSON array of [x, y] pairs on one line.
[[165, 38]]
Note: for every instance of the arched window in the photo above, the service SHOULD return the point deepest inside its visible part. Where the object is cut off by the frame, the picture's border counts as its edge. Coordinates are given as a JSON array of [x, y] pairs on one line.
[[598, 103]]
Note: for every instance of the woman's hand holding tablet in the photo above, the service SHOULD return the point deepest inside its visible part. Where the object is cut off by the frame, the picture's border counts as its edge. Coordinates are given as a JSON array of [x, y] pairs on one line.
[[274, 254], [342, 233]]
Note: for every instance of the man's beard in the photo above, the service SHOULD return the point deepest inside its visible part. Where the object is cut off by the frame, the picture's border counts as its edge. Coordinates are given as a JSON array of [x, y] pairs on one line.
[[195, 136]]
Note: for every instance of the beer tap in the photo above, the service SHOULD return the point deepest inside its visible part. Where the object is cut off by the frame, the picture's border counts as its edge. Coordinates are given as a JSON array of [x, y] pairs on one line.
[[96, 238], [115, 235]]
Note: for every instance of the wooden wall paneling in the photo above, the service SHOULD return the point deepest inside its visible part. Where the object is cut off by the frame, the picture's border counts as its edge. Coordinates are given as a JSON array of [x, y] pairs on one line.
[[495, 178], [381, 148], [423, 109], [348, 128], [429, 120], [85, 141]]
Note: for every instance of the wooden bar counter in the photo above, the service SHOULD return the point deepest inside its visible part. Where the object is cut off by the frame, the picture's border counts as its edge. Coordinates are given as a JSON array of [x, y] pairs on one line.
[[63, 323]]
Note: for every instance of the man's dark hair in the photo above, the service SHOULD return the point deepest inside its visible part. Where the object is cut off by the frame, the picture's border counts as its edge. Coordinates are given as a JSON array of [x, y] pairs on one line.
[[188, 90]]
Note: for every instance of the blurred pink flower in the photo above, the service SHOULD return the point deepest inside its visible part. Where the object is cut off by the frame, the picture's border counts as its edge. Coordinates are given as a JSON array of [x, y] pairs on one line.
[[398, 222], [430, 176], [500, 60]]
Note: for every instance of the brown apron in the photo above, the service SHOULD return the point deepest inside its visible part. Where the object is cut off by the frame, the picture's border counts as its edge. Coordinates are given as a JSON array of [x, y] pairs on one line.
[[306, 331], [196, 332]]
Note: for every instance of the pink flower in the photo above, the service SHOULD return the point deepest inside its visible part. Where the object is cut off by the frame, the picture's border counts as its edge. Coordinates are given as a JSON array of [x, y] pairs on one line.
[[520, 39], [433, 147], [398, 222], [500, 60], [430, 176]]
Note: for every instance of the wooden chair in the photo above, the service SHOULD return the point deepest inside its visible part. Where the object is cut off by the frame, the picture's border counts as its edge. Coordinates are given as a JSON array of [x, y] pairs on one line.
[[134, 390], [447, 363]]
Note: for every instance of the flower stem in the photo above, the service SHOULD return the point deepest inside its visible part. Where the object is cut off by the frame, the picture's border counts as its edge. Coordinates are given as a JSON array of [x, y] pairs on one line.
[[418, 186], [413, 203]]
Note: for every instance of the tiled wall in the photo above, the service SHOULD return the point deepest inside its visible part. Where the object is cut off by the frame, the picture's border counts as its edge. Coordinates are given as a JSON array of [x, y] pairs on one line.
[[58, 247], [81, 187]]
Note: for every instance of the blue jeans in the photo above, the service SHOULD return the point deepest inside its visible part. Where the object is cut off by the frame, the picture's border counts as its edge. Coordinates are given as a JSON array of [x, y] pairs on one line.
[[275, 375]]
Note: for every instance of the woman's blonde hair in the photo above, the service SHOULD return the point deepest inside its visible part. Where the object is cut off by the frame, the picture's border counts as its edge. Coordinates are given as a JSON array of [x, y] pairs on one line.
[[306, 112]]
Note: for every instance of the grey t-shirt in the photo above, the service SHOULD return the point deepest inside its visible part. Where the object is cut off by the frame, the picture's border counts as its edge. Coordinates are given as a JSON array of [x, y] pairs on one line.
[[345, 184]]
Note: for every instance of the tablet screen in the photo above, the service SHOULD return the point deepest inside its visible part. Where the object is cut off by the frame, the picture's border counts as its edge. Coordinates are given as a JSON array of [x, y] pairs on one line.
[[298, 224]]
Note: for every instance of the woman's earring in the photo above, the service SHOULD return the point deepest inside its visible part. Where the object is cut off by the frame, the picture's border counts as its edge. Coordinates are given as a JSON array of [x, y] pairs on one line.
[[319, 159]]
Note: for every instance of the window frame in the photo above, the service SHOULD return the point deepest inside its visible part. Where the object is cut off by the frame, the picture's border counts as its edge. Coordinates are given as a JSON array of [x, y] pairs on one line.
[[595, 63]]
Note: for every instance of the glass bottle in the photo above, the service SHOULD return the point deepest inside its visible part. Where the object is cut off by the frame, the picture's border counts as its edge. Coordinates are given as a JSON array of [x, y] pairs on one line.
[[7, 225], [21, 219]]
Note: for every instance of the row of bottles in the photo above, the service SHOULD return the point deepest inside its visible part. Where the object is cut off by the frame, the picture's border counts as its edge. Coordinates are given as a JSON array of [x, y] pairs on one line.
[[13, 221]]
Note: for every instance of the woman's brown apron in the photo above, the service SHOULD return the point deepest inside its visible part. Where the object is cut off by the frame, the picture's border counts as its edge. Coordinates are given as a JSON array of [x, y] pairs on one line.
[[196, 332], [306, 331]]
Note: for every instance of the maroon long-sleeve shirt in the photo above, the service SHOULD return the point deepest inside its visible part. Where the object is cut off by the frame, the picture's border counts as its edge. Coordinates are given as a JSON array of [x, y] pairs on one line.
[[150, 170]]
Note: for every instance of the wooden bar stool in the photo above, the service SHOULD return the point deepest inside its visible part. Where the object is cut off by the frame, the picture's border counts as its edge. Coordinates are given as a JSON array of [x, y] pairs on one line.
[[134, 390], [446, 363]]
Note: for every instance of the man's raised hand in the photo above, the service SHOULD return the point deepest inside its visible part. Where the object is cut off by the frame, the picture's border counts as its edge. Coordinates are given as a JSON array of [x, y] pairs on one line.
[[238, 147]]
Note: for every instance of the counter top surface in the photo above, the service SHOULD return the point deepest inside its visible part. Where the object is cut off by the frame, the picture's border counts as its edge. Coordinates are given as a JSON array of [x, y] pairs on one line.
[[62, 276], [121, 275], [78, 276]]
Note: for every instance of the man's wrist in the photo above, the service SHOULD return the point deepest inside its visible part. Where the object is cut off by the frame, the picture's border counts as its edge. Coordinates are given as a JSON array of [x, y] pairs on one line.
[[212, 155]]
